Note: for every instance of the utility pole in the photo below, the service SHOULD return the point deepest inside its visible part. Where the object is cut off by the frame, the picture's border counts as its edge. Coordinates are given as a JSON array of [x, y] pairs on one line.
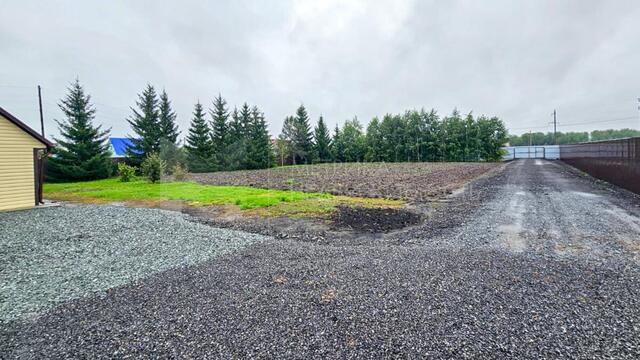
[[41, 117], [555, 139], [639, 110]]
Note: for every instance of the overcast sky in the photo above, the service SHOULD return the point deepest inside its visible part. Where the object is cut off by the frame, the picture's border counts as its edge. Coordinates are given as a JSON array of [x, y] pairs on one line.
[[515, 59]]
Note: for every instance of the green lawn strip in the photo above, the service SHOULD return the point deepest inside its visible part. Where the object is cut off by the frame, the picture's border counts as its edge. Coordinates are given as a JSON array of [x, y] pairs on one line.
[[261, 202], [192, 193]]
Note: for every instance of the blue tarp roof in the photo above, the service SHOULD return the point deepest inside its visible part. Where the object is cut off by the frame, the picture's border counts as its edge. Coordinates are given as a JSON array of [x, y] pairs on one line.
[[119, 146]]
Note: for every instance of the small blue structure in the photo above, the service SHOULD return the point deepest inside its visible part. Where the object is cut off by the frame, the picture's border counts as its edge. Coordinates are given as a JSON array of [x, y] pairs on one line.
[[119, 147]]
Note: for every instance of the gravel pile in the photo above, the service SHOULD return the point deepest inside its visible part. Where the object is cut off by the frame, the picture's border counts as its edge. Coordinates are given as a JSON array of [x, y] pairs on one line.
[[53, 255]]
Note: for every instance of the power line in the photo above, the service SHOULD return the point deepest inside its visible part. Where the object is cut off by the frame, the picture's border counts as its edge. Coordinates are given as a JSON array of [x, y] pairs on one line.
[[574, 124], [600, 121]]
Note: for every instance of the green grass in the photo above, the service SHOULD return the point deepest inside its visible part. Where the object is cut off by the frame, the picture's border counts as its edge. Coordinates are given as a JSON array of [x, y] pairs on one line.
[[262, 202], [113, 190]]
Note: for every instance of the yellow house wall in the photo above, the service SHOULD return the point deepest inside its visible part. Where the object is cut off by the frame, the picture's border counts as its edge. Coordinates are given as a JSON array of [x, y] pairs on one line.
[[17, 188]]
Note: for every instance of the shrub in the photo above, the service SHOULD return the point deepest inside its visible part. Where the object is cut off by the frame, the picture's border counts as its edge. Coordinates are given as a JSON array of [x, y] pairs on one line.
[[172, 154], [126, 172], [179, 172], [153, 167]]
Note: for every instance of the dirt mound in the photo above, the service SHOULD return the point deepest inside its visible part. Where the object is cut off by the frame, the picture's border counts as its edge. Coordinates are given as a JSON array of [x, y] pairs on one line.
[[373, 220]]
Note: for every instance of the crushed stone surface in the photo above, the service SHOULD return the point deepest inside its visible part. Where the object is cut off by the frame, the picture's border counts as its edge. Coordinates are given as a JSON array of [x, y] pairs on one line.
[[537, 261]]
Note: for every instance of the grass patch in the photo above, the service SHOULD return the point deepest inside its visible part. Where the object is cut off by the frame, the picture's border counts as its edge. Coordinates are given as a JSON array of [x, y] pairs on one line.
[[263, 202]]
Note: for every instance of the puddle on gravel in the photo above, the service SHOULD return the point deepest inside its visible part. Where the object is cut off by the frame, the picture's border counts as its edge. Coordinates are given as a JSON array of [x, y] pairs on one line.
[[511, 232], [511, 237], [585, 194]]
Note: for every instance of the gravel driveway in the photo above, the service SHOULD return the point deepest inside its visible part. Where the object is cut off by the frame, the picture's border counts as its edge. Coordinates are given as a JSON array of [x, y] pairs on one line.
[[50, 256], [535, 262]]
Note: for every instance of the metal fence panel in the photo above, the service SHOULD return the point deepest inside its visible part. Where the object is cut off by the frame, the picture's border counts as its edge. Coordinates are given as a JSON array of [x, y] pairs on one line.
[[551, 152], [615, 161]]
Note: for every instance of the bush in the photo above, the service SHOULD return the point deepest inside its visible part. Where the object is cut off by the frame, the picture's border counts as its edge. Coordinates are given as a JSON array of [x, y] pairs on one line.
[[179, 172], [126, 172], [153, 167]]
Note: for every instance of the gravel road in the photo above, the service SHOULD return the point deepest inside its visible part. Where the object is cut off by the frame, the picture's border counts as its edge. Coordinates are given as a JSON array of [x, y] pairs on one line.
[[538, 261]]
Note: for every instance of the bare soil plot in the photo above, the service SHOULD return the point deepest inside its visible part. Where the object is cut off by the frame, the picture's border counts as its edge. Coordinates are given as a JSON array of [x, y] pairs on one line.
[[411, 181]]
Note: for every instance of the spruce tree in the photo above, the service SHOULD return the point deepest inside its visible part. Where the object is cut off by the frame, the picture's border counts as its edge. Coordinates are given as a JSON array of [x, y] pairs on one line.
[[322, 141], [145, 123], [259, 152], [219, 129], [168, 126], [198, 143], [83, 151], [302, 138], [235, 152], [337, 146], [286, 140], [245, 120]]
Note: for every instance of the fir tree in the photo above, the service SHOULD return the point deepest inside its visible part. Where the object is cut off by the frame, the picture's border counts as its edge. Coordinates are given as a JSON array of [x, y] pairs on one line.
[[322, 141], [219, 129], [198, 143], [302, 140], [259, 152], [83, 152], [168, 126], [145, 123]]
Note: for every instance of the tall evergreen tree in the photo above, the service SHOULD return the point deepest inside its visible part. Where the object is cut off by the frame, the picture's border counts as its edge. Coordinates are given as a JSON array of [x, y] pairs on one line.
[[83, 152], [286, 140], [302, 141], [337, 146], [199, 144], [245, 121], [219, 129], [145, 124], [259, 152], [322, 141], [235, 127], [168, 126], [236, 149]]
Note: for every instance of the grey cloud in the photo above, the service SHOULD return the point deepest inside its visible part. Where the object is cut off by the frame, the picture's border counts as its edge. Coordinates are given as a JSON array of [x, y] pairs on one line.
[[342, 59]]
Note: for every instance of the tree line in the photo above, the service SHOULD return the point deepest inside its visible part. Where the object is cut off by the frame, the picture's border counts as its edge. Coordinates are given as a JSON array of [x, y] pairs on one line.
[[221, 138], [563, 138], [410, 136]]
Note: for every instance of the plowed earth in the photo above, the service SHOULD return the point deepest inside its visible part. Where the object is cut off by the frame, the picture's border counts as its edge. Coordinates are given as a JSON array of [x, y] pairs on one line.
[[415, 182]]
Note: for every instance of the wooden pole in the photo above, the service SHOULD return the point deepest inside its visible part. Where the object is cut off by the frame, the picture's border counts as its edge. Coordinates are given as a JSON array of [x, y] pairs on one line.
[[41, 117]]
